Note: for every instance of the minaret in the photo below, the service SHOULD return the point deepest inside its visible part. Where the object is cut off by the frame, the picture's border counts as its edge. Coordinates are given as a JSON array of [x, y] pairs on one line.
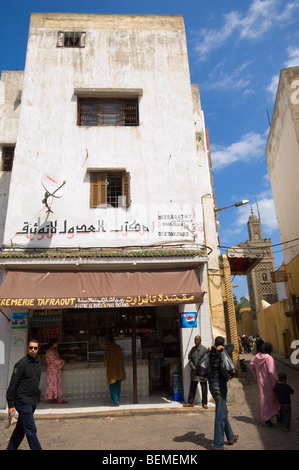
[[259, 282], [254, 228]]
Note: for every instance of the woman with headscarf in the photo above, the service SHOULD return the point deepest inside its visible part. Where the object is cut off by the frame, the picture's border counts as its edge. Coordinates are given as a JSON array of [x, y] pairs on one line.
[[262, 364]]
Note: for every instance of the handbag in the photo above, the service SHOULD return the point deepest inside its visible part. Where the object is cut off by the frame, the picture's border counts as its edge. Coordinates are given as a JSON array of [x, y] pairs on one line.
[[203, 368], [228, 367]]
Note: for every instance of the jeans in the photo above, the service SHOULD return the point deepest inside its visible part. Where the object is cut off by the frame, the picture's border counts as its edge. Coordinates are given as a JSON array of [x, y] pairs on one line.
[[115, 391], [219, 392], [25, 425]]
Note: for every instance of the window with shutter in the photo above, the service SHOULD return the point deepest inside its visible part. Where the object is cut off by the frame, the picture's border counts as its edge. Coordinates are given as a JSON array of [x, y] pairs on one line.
[[110, 188], [107, 112]]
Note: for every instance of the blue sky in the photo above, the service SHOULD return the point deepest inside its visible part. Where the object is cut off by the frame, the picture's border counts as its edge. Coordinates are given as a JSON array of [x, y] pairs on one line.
[[236, 50]]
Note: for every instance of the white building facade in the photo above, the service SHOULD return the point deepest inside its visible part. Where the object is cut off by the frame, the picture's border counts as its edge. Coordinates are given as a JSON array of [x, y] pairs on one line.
[[283, 156], [105, 166]]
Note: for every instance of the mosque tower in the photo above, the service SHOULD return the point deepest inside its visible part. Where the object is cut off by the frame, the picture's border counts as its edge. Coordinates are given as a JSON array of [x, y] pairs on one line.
[[260, 286]]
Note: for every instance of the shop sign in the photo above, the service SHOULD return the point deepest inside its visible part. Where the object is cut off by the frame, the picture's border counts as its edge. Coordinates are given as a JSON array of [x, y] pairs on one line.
[[19, 320], [97, 302], [279, 276], [188, 320]]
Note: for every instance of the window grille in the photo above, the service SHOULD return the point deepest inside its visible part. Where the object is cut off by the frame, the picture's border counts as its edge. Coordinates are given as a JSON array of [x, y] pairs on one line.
[[7, 158], [107, 112], [71, 39]]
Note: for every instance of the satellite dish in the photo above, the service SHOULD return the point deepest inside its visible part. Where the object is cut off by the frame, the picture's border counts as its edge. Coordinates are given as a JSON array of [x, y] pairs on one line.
[[52, 185], [53, 188]]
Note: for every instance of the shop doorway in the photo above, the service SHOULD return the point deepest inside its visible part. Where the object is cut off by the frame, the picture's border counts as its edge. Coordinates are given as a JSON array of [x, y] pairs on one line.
[[148, 336]]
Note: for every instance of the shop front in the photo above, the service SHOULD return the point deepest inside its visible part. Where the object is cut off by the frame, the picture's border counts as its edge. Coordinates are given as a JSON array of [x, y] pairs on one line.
[[141, 309]]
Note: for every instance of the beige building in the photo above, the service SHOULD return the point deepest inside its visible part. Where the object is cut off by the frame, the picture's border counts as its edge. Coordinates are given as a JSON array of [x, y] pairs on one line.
[[283, 164]]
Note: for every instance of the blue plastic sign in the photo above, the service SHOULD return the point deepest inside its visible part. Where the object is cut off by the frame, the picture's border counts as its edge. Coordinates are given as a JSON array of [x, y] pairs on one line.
[[188, 320], [19, 320]]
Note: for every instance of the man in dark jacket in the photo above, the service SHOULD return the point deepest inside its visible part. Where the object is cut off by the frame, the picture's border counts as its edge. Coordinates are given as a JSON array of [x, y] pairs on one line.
[[194, 356], [22, 395], [218, 389]]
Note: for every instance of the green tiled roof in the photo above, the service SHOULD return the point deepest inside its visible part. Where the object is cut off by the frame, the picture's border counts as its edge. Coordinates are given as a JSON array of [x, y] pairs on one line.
[[148, 253]]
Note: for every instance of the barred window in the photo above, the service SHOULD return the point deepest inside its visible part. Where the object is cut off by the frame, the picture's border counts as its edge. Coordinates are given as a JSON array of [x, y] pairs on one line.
[[110, 188], [107, 112], [71, 39], [7, 158]]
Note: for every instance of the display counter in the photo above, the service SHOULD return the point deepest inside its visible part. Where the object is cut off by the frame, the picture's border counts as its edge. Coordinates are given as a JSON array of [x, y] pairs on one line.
[[88, 380], [79, 351]]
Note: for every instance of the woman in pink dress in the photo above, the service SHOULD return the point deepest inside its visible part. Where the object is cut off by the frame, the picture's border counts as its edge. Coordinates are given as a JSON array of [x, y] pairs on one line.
[[262, 364], [54, 381]]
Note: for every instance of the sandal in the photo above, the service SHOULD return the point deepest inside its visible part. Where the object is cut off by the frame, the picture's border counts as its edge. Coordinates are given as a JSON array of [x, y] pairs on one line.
[[234, 440]]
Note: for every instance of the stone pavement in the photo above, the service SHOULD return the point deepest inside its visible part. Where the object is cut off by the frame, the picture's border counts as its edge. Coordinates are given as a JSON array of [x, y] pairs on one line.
[[170, 428]]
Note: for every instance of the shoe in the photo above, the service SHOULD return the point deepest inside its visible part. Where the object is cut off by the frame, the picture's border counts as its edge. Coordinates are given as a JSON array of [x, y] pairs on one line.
[[205, 407], [234, 440], [63, 401], [188, 405], [115, 404]]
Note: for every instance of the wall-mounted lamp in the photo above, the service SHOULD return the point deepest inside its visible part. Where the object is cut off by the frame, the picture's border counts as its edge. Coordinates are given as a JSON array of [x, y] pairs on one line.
[[237, 204]]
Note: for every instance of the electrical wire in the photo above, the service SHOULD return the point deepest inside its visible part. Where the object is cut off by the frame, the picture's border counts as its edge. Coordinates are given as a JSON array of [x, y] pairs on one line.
[[258, 248]]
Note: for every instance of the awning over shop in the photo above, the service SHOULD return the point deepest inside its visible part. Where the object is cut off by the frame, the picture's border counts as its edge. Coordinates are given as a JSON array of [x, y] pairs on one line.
[[243, 258], [104, 289]]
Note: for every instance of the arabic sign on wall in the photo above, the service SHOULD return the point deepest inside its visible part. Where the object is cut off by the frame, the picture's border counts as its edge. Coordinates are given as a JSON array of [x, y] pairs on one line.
[[114, 228]]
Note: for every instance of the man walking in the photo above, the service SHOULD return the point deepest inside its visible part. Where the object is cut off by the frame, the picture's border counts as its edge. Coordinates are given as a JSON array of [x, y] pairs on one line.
[[22, 395], [218, 389], [194, 356]]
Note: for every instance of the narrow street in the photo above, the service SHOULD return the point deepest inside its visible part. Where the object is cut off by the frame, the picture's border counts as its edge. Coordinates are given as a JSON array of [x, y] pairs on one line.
[[184, 429]]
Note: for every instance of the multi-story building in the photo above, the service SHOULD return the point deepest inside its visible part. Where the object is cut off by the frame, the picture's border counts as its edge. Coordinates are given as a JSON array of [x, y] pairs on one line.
[[105, 157], [283, 165], [282, 157]]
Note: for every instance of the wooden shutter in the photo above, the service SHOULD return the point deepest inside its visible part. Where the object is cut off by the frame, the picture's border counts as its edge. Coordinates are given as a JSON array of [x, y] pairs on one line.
[[126, 188], [93, 189], [98, 189], [102, 188]]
